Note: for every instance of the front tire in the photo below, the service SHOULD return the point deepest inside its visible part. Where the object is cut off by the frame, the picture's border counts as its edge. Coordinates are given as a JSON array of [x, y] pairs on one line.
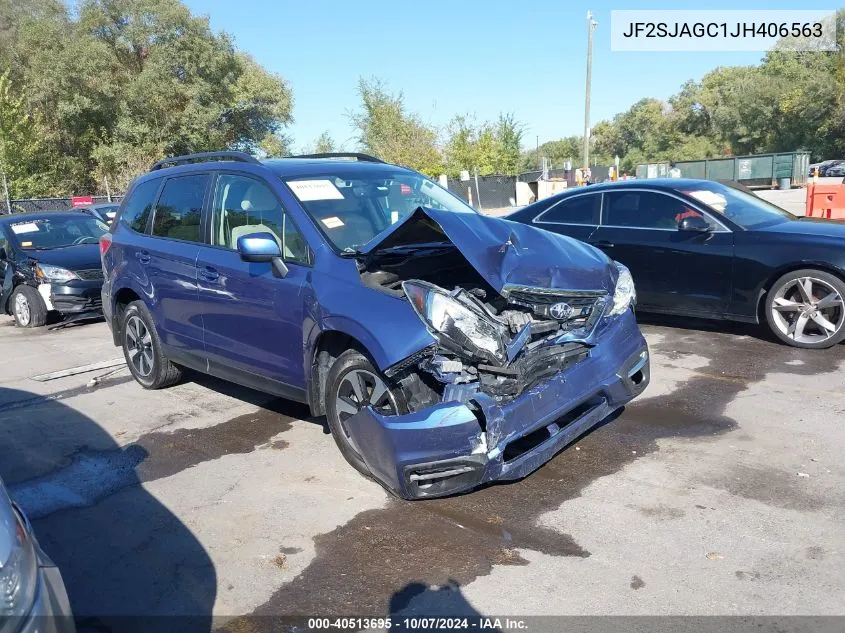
[[143, 352], [805, 308], [28, 307], [353, 384]]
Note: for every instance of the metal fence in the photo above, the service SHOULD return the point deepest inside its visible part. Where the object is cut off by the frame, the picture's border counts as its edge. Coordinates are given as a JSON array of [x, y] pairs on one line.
[[34, 205], [492, 192]]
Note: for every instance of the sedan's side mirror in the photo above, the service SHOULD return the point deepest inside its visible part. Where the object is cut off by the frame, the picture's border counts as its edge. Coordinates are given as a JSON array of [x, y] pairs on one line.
[[695, 224], [262, 247]]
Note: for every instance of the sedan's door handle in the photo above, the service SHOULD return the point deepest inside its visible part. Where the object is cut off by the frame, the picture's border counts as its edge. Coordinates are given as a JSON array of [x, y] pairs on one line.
[[210, 273], [143, 257], [602, 244]]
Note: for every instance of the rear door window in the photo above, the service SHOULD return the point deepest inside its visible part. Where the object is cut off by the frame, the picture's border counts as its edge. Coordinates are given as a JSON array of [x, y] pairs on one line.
[[178, 213], [138, 206], [576, 210]]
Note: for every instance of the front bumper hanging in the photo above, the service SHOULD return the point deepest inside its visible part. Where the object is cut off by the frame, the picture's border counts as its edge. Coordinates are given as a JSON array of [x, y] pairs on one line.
[[455, 446]]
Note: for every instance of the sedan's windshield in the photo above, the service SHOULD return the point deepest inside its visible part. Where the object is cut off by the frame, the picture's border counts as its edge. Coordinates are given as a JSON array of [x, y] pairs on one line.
[[746, 209], [351, 210], [57, 232]]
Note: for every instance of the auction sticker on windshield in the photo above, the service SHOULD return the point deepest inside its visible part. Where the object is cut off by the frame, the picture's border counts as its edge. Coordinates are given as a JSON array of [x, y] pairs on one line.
[[308, 190], [24, 227]]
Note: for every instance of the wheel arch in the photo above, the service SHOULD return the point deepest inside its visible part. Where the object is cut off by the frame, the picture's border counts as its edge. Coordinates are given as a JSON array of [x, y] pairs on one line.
[[826, 267], [328, 345], [120, 301]]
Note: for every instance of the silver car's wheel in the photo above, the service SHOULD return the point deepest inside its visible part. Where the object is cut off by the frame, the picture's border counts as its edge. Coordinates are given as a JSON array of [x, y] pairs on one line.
[[22, 312], [807, 310], [139, 345]]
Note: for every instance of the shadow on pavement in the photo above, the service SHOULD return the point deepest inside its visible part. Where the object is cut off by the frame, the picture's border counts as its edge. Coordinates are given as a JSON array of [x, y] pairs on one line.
[[417, 600], [125, 558]]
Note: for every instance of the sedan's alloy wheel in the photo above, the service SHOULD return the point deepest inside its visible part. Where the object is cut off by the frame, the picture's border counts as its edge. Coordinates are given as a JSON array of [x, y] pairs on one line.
[[808, 310]]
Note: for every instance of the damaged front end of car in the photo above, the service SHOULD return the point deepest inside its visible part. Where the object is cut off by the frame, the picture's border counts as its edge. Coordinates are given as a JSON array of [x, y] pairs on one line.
[[517, 370]]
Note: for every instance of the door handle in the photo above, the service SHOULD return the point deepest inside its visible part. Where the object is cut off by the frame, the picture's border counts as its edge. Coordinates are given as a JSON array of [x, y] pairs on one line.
[[143, 257], [602, 244], [210, 274]]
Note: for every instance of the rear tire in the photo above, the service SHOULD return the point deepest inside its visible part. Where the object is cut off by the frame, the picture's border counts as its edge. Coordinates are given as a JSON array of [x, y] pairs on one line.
[[28, 307], [806, 308], [143, 352], [351, 385]]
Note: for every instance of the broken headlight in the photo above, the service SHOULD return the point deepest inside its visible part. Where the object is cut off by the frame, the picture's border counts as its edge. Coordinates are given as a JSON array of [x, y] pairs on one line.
[[458, 325], [625, 294]]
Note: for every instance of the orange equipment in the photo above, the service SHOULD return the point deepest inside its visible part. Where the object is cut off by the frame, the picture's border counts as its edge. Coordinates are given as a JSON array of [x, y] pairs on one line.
[[825, 201]]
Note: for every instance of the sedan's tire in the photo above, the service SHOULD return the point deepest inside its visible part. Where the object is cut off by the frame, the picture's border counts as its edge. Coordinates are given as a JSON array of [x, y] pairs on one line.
[[28, 307], [352, 384], [143, 352], [806, 308]]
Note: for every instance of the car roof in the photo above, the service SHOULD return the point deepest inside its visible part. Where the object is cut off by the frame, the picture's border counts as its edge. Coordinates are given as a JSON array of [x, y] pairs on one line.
[[14, 218], [290, 168], [668, 184]]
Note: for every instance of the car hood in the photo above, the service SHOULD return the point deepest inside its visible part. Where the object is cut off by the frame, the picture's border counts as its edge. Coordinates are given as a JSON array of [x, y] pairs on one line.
[[504, 252], [809, 226], [80, 257]]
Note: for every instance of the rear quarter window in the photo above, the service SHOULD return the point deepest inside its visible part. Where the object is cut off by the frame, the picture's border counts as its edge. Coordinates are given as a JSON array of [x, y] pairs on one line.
[[139, 204]]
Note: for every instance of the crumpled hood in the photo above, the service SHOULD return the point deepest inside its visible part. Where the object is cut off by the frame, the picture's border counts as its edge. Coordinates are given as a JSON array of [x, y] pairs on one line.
[[504, 252]]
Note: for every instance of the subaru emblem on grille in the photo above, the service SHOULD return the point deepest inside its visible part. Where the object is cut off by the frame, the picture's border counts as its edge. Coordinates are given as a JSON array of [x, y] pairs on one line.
[[561, 311]]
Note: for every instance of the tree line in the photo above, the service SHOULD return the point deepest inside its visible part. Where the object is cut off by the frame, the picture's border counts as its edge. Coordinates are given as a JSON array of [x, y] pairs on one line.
[[95, 94]]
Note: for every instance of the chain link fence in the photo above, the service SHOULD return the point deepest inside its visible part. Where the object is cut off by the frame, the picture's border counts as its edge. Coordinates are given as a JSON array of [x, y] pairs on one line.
[[38, 205]]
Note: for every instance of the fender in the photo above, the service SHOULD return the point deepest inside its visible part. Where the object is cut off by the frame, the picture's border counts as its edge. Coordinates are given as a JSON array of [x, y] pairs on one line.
[[374, 343]]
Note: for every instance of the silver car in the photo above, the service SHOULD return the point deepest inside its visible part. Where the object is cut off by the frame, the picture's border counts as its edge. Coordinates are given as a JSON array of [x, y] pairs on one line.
[[32, 594]]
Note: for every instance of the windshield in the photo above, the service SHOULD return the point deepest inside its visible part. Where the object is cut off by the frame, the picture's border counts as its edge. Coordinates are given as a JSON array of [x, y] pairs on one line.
[[57, 232], [746, 209], [353, 210]]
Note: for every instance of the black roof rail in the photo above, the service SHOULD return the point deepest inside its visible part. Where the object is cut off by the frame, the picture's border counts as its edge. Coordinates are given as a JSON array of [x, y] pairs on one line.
[[191, 158], [358, 156]]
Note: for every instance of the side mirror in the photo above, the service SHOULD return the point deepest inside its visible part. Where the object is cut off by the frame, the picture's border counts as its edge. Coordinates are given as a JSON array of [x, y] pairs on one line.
[[694, 224], [262, 247]]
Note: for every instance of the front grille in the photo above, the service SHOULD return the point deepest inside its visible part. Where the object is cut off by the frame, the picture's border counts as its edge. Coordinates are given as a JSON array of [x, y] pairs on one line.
[[584, 307], [90, 274]]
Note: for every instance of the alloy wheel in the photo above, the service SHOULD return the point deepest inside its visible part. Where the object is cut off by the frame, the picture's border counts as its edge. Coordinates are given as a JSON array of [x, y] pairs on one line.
[[358, 389], [808, 310], [22, 311], [139, 345]]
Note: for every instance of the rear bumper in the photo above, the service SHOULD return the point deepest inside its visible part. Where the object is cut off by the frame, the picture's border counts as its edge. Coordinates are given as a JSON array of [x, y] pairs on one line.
[[76, 296], [452, 447]]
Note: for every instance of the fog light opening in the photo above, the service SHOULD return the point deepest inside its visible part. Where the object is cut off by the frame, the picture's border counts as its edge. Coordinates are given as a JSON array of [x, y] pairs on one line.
[[637, 377]]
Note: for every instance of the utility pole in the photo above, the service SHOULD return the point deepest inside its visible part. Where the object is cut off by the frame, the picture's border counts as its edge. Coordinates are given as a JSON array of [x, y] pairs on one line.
[[591, 26]]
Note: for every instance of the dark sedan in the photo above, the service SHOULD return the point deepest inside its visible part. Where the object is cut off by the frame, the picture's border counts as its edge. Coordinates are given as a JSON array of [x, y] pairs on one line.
[[50, 262], [714, 250]]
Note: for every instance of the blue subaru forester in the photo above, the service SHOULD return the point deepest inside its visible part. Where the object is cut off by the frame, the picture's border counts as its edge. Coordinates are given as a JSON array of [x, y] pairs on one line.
[[445, 348]]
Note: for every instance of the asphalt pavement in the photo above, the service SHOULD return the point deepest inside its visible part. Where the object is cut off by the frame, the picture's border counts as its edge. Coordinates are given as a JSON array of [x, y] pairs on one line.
[[721, 491]]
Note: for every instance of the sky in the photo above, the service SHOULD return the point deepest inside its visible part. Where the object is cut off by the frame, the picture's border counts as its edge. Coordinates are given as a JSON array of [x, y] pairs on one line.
[[476, 57]]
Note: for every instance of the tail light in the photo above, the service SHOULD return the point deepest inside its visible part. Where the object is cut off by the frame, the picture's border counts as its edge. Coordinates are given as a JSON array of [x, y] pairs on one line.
[[105, 244]]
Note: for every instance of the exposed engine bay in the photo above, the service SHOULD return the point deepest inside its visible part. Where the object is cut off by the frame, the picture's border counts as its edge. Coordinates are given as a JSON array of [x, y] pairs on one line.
[[498, 343]]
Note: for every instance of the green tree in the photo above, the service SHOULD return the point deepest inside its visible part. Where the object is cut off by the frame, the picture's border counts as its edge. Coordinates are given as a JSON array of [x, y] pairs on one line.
[[509, 133], [22, 150], [387, 130]]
